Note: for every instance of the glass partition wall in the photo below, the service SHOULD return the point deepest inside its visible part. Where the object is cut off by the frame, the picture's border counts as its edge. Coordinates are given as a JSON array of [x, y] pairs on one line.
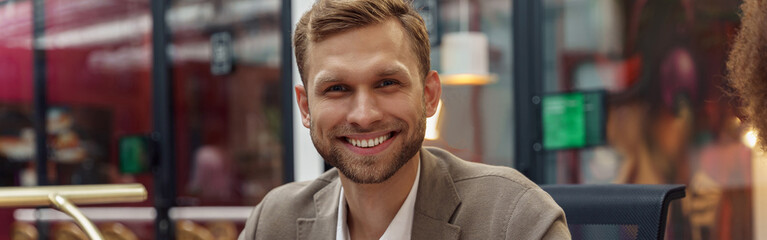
[[475, 120], [17, 166], [226, 67], [668, 118], [96, 59], [91, 66]]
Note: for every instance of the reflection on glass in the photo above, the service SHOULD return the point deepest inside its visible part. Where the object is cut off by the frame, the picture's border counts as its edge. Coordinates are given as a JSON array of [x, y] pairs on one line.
[[476, 120], [228, 122], [16, 131], [16, 111], [668, 120], [98, 64]]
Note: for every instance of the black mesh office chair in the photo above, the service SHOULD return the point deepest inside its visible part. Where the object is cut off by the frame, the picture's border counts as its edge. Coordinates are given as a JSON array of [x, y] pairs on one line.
[[615, 211]]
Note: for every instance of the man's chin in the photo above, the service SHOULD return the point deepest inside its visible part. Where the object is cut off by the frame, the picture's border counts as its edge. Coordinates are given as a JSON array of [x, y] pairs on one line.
[[367, 169], [366, 177]]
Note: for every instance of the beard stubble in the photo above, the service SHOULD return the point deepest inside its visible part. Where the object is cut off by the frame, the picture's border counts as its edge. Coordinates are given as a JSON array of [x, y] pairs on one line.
[[370, 169]]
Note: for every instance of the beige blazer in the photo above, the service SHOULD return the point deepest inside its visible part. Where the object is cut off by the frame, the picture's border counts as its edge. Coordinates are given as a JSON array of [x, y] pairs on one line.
[[456, 199]]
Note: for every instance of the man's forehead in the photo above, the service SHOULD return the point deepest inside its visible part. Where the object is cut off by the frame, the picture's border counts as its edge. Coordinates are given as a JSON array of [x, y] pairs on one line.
[[321, 64]]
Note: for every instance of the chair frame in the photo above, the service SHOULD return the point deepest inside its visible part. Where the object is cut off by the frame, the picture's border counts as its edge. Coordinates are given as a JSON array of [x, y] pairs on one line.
[[618, 204]]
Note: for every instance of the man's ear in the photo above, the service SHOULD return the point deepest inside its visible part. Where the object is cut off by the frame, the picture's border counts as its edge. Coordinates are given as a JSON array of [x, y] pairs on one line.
[[303, 105], [432, 91]]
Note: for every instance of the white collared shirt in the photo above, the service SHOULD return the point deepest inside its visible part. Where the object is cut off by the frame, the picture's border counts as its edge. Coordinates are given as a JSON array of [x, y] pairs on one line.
[[399, 228]]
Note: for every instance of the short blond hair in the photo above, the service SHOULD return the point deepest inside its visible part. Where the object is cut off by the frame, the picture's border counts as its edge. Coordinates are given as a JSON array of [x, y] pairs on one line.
[[747, 65], [329, 17]]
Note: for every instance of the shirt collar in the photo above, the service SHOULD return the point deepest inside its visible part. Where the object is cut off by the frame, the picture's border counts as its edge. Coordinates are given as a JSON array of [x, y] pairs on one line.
[[399, 228]]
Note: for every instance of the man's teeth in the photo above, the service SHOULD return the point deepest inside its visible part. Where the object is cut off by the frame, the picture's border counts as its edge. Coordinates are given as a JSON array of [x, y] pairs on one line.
[[366, 143]]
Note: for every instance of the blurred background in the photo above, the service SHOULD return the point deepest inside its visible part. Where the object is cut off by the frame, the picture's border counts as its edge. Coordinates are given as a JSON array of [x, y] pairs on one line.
[[192, 99]]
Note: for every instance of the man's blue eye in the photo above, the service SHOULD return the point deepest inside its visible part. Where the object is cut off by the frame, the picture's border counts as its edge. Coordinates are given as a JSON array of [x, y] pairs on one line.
[[336, 88], [385, 83]]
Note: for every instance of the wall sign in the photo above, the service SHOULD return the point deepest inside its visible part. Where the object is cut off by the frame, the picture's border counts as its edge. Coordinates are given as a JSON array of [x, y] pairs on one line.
[[573, 120], [221, 55]]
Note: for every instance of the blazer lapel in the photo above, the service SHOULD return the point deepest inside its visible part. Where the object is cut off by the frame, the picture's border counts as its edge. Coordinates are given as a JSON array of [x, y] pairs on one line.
[[323, 225], [436, 201], [435, 204]]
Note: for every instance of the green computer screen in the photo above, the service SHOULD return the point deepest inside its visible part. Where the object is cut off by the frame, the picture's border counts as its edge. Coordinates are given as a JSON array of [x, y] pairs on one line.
[[573, 120]]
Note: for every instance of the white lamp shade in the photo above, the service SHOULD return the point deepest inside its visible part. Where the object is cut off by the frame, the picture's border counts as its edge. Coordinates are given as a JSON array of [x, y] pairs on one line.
[[465, 59]]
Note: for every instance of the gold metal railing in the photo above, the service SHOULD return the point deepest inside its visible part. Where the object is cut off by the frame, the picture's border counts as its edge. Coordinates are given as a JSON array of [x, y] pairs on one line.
[[64, 199]]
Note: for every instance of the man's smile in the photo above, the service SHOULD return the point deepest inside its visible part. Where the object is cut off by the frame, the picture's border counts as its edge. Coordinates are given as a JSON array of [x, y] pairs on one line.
[[367, 144]]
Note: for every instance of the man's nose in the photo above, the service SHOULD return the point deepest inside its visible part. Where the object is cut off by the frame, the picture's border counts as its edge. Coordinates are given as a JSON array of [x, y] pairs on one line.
[[365, 110]]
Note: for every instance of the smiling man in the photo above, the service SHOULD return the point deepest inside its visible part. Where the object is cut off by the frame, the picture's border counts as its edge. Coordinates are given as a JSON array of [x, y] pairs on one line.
[[367, 91]]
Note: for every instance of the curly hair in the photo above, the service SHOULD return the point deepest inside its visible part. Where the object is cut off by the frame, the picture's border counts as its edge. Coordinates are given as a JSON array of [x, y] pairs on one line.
[[747, 65]]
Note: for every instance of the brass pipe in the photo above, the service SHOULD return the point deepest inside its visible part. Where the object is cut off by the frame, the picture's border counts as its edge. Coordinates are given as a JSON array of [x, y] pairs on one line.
[[67, 207], [77, 194], [64, 199]]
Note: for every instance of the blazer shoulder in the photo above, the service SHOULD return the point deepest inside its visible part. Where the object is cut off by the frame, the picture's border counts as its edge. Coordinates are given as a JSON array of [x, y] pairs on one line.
[[293, 196], [278, 211], [466, 171], [502, 199]]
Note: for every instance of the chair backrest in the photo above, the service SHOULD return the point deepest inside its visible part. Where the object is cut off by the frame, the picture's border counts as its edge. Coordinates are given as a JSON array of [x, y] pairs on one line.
[[68, 231], [23, 231], [189, 230], [223, 230], [117, 231], [612, 211]]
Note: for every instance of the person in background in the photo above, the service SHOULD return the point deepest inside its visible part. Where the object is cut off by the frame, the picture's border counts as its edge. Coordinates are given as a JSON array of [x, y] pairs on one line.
[[211, 179], [367, 91], [747, 66]]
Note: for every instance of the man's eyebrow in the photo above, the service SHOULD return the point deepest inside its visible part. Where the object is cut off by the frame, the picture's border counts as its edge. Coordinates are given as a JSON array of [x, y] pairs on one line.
[[389, 71], [326, 79]]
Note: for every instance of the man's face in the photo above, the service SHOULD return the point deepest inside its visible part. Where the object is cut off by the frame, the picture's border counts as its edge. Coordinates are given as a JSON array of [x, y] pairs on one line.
[[365, 102]]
